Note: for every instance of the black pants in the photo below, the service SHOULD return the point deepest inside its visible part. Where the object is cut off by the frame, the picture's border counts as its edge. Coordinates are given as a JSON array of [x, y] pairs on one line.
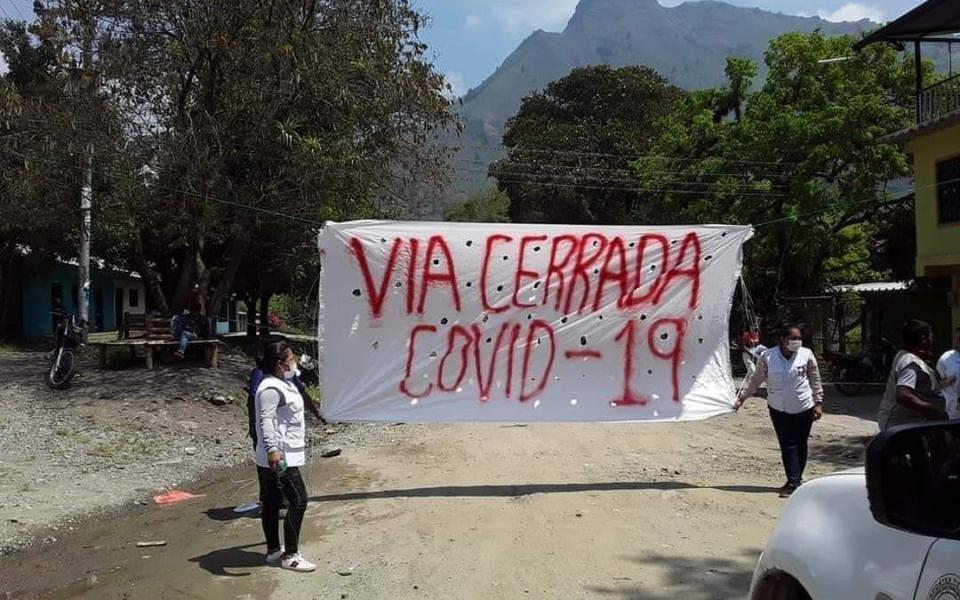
[[793, 431], [273, 489]]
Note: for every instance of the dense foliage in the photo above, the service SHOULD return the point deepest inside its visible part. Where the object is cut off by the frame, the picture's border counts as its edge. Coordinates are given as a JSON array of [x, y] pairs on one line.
[[569, 147], [490, 206], [801, 158], [242, 130]]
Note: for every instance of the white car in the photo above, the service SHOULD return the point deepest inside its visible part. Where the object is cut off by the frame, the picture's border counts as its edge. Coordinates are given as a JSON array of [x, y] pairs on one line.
[[890, 531]]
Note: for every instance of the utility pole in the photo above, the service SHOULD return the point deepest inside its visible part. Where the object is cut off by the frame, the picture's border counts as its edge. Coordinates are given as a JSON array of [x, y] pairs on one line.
[[86, 204], [86, 192]]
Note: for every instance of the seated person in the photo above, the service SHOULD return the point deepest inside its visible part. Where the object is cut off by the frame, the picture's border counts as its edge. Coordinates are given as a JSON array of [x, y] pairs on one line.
[[189, 327]]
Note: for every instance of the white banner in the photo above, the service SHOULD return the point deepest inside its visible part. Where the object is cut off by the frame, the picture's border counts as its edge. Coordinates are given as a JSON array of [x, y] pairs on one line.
[[493, 322]]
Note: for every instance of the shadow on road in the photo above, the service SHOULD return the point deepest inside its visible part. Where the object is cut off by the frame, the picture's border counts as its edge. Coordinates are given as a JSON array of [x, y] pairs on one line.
[[686, 577], [238, 557], [863, 407], [841, 452], [507, 491]]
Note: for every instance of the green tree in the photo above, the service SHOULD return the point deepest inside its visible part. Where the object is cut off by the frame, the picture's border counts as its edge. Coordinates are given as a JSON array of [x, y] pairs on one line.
[[248, 127], [568, 147], [488, 206], [803, 160], [47, 122]]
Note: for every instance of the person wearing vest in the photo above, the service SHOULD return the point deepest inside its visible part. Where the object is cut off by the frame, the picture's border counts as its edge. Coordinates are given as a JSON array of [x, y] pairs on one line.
[[281, 451], [912, 392], [794, 398], [256, 378]]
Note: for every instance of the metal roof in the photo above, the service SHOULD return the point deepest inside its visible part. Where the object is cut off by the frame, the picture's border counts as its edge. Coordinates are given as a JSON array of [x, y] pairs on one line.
[[880, 286], [930, 19]]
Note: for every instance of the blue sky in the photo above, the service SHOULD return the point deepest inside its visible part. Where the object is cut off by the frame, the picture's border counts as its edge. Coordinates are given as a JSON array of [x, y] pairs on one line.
[[470, 38]]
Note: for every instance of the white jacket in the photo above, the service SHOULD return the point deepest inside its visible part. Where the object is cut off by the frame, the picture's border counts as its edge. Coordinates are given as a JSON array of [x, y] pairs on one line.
[[281, 422]]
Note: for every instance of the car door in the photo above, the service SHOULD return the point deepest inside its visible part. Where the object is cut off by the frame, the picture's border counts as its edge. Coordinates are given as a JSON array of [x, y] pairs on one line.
[[941, 572]]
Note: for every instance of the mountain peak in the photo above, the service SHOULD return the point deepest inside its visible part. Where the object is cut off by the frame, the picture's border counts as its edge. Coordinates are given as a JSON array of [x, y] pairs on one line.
[[688, 44], [592, 11]]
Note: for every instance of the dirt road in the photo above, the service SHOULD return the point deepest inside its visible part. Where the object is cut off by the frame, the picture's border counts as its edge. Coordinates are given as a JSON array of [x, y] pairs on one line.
[[471, 511]]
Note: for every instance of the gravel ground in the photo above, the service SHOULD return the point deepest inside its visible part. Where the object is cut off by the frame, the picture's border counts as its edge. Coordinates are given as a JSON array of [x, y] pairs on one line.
[[472, 511], [113, 438]]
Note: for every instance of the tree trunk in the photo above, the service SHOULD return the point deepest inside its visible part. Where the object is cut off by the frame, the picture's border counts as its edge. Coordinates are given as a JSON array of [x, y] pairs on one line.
[[235, 258], [203, 283], [150, 280], [265, 314], [251, 303], [182, 294]]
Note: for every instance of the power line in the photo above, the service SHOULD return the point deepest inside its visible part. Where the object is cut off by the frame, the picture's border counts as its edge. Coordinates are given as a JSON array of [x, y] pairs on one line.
[[638, 189], [507, 161], [13, 3], [608, 188], [857, 203], [505, 176], [197, 195], [628, 156]]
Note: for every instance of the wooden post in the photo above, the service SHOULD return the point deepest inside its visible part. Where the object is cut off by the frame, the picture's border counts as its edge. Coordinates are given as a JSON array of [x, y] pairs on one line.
[[212, 352], [149, 357], [103, 357]]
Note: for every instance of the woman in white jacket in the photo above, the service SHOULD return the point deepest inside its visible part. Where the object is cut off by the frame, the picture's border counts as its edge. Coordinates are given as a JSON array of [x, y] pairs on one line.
[[794, 397], [281, 451]]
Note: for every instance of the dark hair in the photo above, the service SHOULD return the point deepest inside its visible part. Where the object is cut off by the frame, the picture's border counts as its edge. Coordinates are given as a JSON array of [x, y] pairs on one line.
[[785, 328], [273, 354], [195, 307], [914, 331]]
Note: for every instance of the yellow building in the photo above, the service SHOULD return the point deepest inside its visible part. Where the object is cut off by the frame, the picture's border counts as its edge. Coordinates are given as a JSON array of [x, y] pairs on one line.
[[933, 142]]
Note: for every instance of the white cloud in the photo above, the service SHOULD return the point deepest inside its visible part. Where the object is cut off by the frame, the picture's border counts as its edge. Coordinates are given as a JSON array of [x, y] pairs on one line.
[[473, 21], [853, 11], [516, 15], [457, 83]]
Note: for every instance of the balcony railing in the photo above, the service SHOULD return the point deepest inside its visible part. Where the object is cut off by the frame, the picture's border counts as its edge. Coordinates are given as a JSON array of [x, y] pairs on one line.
[[939, 99]]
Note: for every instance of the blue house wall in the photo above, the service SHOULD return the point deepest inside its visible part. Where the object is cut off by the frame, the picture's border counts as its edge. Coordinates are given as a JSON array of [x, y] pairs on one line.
[[38, 293]]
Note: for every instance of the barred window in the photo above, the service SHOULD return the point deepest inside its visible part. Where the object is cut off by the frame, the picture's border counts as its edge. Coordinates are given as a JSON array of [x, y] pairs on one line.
[[948, 190]]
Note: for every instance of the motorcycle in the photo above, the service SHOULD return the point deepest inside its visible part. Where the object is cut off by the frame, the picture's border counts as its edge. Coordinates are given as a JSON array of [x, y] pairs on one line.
[[65, 362], [859, 374]]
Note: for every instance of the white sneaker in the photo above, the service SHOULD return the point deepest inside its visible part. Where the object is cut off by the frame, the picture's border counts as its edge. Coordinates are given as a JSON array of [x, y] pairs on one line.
[[298, 563], [275, 557]]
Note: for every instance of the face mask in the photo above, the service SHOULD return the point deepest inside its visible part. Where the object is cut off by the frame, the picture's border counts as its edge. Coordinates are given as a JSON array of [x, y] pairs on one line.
[[794, 345], [289, 375]]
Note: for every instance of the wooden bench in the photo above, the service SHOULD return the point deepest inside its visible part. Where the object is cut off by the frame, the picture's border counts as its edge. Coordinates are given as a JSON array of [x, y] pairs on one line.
[[211, 349], [153, 335], [145, 326]]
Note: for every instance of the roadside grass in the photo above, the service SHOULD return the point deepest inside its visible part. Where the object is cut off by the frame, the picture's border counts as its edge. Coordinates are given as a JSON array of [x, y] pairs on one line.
[[75, 436], [132, 446]]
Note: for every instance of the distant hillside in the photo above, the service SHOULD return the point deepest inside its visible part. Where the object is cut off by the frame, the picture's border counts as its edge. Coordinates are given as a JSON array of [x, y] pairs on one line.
[[688, 44]]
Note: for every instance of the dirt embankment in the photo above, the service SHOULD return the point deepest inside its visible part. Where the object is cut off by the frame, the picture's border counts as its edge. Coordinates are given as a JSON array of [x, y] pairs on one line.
[[112, 438]]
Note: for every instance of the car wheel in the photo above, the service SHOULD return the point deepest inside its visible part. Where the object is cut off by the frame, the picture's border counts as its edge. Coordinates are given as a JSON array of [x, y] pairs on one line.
[[778, 585]]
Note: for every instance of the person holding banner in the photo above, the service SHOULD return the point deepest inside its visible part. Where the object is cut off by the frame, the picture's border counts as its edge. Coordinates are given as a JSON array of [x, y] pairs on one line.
[[794, 398], [281, 451], [750, 351]]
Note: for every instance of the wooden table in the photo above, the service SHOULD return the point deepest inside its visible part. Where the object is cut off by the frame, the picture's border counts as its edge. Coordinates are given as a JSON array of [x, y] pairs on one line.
[[211, 349]]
